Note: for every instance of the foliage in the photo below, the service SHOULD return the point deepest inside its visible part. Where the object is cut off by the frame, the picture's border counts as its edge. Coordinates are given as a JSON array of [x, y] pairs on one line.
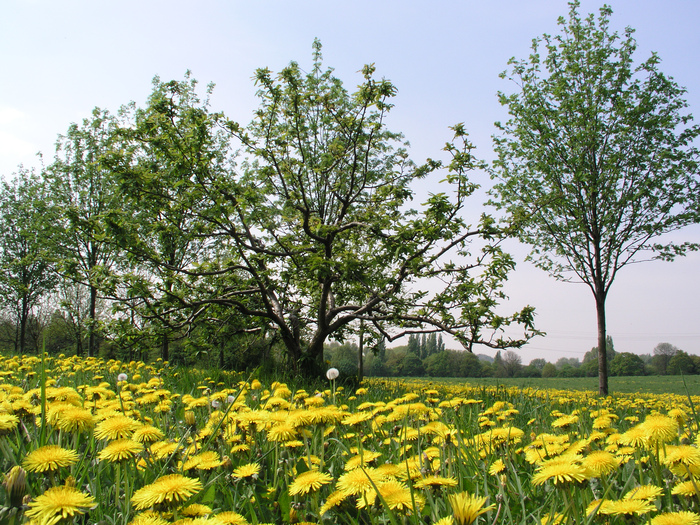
[[597, 159], [310, 235], [26, 256]]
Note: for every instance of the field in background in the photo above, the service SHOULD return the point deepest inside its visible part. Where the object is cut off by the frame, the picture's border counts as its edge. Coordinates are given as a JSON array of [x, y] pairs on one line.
[[681, 385]]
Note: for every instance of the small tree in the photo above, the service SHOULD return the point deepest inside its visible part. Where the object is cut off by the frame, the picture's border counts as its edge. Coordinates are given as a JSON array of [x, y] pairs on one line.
[[26, 257], [663, 352], [597, 159]]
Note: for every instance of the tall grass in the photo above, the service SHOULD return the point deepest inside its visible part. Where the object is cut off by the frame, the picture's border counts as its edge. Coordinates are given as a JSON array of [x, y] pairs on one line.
[[387, 452]]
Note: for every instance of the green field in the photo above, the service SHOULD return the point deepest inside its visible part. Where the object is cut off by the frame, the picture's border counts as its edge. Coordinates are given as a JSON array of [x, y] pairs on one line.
[[682, 385]]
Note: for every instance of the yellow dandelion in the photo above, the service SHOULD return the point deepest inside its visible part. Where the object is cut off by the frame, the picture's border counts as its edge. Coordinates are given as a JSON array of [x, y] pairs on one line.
[[358, 481], [397, 496], [646, 492], [435, 482], [75, 419], [467, 507], [599, 463], [334, 499], [196, 510], [360, 460], [57, 504], [683, 460], [683, 517], [49, 458], [281, 432], [148, 434], [559, 472], [116, 427], [497, 467], [246, 471], [8, 422], [207, 460], [357, 418], [627, 507], [172, 489], [688, 488], [309, 481], [660, 428], [230, 517], [120, 450], [449, 520], [148, 518]]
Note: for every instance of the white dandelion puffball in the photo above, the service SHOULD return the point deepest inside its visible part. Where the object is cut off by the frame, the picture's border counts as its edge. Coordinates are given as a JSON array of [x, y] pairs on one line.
[[332, 373]]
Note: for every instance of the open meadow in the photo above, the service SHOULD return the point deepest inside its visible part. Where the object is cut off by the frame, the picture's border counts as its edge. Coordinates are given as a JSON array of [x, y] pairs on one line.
[[671, 384], [90, 441]]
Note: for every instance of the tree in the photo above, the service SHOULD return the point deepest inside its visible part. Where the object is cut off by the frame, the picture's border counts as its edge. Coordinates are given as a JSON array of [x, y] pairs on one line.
[[26, 260], [538, 363], [82, 192], [627, 364], [312, 230], [512, 363], [681, 364], [663, 352], [597, 159], [163, 166]]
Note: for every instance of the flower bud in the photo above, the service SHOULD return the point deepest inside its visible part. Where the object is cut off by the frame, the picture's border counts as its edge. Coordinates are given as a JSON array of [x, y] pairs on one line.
[[15, 483]]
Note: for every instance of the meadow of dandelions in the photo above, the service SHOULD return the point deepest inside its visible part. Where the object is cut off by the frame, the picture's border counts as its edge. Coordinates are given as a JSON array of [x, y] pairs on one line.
[[93, 441]]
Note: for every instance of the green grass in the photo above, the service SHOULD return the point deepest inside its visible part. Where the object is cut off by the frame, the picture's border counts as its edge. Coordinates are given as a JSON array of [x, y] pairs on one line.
[[681, 385]]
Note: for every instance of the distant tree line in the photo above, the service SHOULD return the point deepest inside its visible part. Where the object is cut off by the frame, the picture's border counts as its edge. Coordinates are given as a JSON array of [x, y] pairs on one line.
[[423, 358]]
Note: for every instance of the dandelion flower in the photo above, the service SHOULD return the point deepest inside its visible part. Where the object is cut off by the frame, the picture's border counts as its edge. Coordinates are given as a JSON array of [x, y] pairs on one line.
[[75, 419], [148, 518], [497, 467], [449, 520], [683, 460], [627, 507], [49, 458], [559, 472], [59, 503], [435, 482], [398, 496], [120, 450], [148, 434], [168, 490], [8, 422], [246, 471], [686, 488], [207, 460], [230, 517], [116, 427], [335, 498], [281, 432], [358, 481], [600, 463], [196, 510], [467, 507], [682, 517], [309, 481], [660, 428], [647, 492]]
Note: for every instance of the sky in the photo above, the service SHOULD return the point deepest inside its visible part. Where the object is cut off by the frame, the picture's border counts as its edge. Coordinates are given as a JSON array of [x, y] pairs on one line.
[[59, 60]]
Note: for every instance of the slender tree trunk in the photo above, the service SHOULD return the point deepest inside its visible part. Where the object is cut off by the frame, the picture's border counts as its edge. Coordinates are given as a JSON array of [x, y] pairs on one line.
[[91, 333], [602, 344], [360, 354], [165, 348]]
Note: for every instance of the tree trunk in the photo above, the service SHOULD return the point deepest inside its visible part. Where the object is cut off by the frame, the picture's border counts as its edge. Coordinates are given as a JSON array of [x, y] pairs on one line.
[[360, 354], [602, 344], [92, 325]]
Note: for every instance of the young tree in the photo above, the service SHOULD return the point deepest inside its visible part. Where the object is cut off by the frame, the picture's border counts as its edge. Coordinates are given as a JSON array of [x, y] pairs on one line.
[[597, 159], [82, 192], [26, 268]]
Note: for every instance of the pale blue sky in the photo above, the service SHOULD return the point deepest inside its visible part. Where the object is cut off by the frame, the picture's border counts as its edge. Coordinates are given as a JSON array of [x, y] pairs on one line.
[[58, 60]]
